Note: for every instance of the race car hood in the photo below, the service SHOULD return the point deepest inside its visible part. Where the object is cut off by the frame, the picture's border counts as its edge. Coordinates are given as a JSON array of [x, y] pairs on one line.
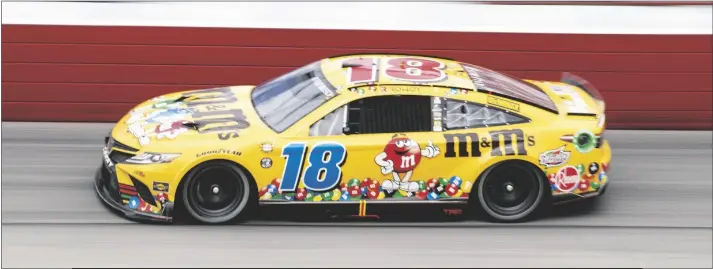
[[191, 118]]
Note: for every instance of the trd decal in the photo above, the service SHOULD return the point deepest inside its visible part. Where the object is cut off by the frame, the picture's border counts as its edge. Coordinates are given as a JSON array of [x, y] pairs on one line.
[[496, 140], [324, 166]]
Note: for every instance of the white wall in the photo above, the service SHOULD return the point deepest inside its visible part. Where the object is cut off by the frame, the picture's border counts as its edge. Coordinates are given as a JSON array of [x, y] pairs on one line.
[[373, 15]]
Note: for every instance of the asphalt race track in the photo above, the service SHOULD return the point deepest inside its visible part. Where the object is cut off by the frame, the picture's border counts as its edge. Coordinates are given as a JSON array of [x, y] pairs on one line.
[[657, 213]]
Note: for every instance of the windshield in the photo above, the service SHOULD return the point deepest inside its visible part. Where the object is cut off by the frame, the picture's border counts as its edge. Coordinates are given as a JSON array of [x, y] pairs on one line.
[[284, 100], [502, 84]]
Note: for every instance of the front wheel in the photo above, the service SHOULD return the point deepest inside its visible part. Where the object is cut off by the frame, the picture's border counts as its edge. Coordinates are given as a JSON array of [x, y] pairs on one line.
[[511, 191], [216, 192]]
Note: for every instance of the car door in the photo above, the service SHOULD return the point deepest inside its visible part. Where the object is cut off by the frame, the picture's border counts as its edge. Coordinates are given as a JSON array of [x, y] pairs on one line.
[[391, 148]]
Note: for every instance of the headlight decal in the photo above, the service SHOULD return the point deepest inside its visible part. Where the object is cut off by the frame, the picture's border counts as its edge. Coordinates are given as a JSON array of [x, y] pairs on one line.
[[152, 158]]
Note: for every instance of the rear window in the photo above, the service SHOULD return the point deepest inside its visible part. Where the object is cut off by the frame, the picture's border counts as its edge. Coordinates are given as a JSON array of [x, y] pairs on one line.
[[507, 86]]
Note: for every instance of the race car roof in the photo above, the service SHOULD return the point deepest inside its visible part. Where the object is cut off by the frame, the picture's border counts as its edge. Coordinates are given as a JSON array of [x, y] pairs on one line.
[[382, 69]]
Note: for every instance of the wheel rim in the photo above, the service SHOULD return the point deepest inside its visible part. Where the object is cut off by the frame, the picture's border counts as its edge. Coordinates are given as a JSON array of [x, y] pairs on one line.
[[511, 190], [215, 192]]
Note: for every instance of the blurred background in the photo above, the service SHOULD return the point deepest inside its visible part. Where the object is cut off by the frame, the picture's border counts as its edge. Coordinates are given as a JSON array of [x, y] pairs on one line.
[[70, 69]]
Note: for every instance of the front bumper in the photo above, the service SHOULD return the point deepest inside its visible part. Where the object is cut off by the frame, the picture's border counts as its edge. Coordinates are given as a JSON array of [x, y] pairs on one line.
[[107, 188]]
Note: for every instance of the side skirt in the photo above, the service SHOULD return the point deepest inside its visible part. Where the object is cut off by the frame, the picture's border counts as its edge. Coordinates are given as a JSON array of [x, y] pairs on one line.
[[370, 209]]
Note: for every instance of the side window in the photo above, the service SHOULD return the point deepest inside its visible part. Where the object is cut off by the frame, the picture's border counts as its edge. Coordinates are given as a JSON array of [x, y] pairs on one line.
[[332, 124], [380, 114], [462, 114]]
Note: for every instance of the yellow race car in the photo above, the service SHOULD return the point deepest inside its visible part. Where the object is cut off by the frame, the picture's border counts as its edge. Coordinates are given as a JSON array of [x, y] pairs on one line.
[[360, 130]]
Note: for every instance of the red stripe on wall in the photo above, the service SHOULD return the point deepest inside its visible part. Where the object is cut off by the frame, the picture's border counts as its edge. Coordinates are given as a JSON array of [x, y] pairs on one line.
[[96, 73]]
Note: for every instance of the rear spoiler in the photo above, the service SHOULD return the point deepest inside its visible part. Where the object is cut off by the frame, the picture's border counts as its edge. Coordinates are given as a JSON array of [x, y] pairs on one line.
[[587, 87]]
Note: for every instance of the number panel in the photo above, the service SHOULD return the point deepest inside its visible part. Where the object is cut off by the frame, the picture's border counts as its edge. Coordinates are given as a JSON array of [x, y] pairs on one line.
[[417, 70], [365, 70], [294, 153], [323, 170], [365, 73], [325, 159]]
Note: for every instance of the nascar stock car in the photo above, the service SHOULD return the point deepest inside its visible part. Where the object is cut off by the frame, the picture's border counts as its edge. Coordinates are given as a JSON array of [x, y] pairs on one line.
[[358, 130]]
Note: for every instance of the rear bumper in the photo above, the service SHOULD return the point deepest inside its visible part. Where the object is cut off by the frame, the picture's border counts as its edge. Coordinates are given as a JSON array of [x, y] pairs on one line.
[[571, 197], [106, 186]]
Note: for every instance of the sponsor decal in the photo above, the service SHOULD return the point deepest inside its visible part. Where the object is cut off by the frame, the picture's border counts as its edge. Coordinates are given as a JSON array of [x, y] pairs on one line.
[[584, 141], [454, 91], [555, 157], [503, 103], [217, 119], [500, 143], [323, 88], [566, 179], [266, 163], [437, 109], [266, 147], [406, 89], [160, 186], [437, 125], [357, 90], [139, 173], [220, 151]]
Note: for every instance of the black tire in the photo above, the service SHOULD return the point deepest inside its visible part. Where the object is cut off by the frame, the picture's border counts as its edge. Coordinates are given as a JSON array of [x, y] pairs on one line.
[[216, 192], [519, 203]]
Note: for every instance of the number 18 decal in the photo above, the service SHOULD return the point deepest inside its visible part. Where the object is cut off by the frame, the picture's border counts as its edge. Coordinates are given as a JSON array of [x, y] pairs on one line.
[[409, 69], [324, 166]]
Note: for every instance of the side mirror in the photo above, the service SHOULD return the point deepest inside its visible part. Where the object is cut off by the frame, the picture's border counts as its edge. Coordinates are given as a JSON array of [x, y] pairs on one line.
[[346, 130]]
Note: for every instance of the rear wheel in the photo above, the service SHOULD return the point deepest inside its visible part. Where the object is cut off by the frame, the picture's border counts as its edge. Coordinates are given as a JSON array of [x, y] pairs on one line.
[[511, 191], [216, 192]]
